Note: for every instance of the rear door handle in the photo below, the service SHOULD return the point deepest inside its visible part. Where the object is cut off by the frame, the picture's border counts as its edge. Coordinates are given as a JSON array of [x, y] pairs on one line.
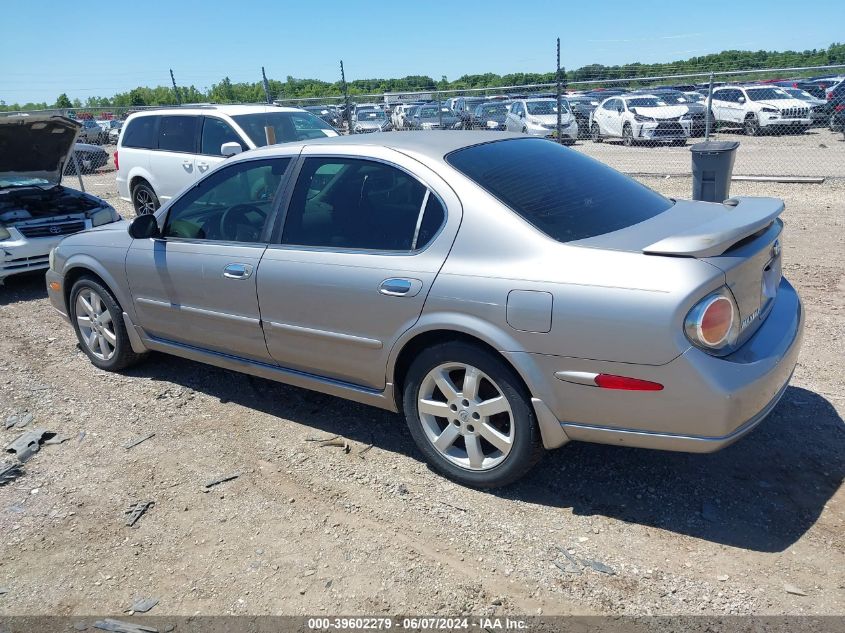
[[400, 287], [202, 166], [187, 165], [237, 271]]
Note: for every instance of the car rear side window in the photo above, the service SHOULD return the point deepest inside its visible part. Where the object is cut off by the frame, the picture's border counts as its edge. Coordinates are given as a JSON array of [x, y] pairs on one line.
[[141, 133], [348, 203], [178, 133], [564, 194]]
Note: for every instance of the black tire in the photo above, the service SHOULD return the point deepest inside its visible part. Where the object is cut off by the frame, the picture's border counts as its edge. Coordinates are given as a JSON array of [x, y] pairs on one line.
[[627, 135], [124, 356], [527, 446], [595, 133], [751, 126], [144, 199], [832, 123]]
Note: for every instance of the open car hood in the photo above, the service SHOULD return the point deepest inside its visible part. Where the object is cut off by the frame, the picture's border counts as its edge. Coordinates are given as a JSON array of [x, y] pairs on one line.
[[35, 147]]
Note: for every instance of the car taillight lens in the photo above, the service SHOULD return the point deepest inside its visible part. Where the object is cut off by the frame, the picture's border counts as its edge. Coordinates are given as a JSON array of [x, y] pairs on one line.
[[840, 107], [713, 323], [116, 163]]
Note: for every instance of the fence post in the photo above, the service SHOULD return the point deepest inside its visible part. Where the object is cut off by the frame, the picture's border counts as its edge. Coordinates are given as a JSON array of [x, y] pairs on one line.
[[707, 123], [175, 89], [266, 86], [557, 83], [347, 112], [440, 110]]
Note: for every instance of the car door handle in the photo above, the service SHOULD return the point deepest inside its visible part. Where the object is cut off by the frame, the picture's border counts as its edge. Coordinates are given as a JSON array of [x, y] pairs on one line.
[[396, 287], [237, 271], [202, 166], [187, 164]]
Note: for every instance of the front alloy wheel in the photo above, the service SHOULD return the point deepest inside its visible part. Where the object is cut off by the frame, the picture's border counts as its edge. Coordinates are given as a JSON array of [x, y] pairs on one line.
[[95, 324], [752, 126], [627, 135]]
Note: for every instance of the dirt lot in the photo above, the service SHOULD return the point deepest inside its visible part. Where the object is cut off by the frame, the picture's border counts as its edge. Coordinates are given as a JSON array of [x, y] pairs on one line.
[[307, 528]]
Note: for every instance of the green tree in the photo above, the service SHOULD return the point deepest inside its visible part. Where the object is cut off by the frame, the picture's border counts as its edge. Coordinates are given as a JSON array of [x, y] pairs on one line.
[[63, 101]]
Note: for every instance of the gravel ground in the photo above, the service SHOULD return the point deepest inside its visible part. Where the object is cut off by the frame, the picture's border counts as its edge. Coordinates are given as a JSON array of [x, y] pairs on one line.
[[314, 529]]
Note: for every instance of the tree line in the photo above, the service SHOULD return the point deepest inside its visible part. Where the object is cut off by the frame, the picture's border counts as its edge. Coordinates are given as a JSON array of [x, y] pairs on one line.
[[227, 91]]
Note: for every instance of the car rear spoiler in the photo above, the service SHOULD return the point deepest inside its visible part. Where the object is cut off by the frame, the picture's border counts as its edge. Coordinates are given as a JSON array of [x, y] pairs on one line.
[[745, 217]]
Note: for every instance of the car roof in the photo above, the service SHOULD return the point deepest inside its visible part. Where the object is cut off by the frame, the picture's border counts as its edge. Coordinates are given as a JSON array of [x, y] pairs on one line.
[[230, 110], [428, 143]]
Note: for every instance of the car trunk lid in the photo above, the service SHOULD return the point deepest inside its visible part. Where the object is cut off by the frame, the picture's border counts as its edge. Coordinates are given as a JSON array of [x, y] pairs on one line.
[[740, 237]]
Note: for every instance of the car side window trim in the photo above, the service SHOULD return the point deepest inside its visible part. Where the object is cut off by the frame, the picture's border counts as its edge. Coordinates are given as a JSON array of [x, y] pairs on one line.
[[266, 232], [275, 241]]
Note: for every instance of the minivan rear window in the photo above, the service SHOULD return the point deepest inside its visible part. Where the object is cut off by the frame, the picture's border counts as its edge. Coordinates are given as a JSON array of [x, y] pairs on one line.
[[141, 133], [564, 194]]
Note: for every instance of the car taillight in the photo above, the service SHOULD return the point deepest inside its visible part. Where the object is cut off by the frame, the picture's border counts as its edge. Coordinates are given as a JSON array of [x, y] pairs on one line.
[[713, 323], [116, 164], [840, 107]]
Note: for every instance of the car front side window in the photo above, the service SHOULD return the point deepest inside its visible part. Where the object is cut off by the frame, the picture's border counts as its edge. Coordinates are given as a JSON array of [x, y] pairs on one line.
[[232, 204], [216, 132], [360, 204]]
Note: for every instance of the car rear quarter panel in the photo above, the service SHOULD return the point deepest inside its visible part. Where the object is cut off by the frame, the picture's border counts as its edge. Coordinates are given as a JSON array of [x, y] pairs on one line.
[[606, 305]]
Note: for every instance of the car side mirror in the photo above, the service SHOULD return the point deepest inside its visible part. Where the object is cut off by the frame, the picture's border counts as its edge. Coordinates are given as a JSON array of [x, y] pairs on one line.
[[522, 115], [231, 148], [742, 100], [144, 227]]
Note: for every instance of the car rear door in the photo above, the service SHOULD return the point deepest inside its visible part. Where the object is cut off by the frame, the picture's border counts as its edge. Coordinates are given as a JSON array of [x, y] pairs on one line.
[[351, 266], [174, 162], [195, 285]]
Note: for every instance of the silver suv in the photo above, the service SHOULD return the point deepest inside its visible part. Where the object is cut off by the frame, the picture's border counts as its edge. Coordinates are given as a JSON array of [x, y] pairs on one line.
[[506, 293]]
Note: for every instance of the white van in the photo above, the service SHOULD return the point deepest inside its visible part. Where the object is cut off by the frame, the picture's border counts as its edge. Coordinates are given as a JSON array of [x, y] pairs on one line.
[[162, 151]]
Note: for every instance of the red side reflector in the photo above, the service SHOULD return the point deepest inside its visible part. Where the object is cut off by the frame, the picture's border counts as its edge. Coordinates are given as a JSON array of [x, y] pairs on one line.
[[116, 164], [609, 381]]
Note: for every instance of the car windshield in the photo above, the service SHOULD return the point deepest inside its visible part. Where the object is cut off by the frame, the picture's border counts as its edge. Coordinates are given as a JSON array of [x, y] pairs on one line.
[[371, 115], [471, 104], [767, 94], [695, 97], [539, 108], [288, 126], [645, 102], [800, 94], [491, 109], [564, 194], [429, 112], [674, 98]]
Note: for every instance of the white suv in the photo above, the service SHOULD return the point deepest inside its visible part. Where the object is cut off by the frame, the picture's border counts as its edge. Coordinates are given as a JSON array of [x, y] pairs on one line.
[[640, 117], [759, 108], [160, 152]]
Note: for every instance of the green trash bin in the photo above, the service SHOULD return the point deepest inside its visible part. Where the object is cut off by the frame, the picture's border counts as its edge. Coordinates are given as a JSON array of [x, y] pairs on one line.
[[712, 167]]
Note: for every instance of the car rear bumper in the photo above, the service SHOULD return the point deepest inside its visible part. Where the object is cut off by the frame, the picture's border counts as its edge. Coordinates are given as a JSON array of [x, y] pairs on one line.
[[706, 403]]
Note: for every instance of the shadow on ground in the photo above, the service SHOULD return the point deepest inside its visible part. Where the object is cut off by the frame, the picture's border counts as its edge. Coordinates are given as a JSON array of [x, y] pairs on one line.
[[23, 287], [762, 493]]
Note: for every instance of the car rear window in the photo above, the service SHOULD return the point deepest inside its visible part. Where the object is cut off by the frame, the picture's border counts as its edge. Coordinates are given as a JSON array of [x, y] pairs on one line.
[[564, 194], [141, 133]]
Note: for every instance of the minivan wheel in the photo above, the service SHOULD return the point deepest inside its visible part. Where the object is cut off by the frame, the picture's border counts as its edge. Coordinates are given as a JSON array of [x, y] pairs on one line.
[[144, 199], [468, 414], [98, 321], [595, 133]]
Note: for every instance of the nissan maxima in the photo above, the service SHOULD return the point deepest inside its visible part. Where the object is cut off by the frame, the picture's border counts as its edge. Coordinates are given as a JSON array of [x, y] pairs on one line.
[[507, 295]]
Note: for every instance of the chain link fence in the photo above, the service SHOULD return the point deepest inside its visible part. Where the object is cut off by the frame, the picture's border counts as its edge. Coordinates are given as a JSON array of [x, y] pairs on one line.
[[789, 121]]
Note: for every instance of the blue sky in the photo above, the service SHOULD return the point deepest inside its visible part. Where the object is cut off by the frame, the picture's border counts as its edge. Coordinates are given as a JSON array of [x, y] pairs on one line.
[[102, 48]]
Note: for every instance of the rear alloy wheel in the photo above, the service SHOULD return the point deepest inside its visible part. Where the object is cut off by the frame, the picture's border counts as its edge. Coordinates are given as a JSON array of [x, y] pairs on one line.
[[627, 135], [144, 199], [98, 321], [752, 126], [595, 133], [468, 414]]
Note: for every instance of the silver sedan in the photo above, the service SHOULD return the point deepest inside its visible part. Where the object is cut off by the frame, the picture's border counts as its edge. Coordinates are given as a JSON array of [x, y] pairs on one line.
[[506, 294]]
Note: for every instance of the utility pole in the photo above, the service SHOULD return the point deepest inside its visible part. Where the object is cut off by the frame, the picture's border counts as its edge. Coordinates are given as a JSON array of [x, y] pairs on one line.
[[175, 89], [266, 86], [348, 110], [557, 82]]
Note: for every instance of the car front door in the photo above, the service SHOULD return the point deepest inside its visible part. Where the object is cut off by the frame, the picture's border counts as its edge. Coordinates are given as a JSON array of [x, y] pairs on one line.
[[215, 132], [196, 283], [615, 118], [174, 162], [361, 244]]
